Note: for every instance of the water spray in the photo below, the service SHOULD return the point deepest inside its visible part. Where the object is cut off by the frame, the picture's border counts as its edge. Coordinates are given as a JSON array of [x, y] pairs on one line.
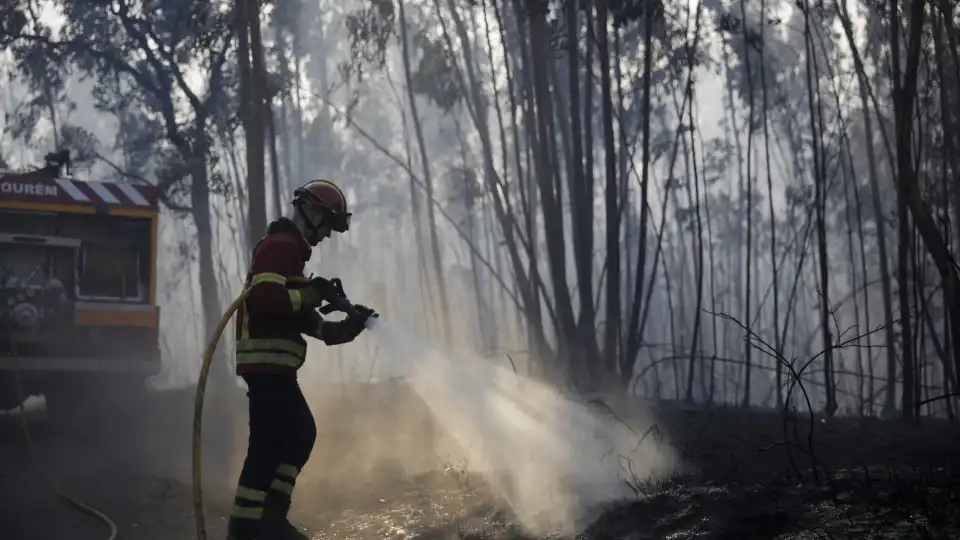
[[551, 458]]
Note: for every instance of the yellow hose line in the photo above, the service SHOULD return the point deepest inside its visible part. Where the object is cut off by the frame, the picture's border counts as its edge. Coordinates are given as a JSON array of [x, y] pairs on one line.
[[54, 487], [198, 413]]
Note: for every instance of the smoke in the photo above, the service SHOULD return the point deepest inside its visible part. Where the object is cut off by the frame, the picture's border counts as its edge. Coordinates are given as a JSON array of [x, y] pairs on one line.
[[552, 459]]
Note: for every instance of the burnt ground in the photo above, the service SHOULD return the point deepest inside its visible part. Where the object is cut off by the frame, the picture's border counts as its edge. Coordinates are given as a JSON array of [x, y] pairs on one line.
[[376, 474], [748, 477]]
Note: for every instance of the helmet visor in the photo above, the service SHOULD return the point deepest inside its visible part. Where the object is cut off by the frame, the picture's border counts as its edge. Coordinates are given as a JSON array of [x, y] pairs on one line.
[[338, 222]]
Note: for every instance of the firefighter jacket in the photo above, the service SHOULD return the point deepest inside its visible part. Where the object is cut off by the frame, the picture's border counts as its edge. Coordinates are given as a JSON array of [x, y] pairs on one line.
[[272, 319]]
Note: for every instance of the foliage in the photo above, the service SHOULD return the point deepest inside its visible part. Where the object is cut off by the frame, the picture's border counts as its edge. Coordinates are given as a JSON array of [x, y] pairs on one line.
[[614, 204], [137, 55], [369, 29]]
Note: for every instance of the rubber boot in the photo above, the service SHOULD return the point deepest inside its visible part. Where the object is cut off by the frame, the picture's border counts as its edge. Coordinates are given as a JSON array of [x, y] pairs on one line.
[[242, 529], [275, 525], [289, 531]]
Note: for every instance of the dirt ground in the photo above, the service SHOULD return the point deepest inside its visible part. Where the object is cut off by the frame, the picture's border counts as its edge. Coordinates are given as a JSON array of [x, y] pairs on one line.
[[378, 472]]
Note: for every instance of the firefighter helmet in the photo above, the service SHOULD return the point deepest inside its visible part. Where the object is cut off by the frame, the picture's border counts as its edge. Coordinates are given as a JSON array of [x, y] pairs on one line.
[[325, 196]]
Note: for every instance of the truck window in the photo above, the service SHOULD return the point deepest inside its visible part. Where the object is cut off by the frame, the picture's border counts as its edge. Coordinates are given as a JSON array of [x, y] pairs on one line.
[[31, 264], [110, 273], [21, 222], [113, 263]]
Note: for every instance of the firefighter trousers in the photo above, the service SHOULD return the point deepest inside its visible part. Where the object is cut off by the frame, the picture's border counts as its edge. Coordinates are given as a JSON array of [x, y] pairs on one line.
[[282, 434]]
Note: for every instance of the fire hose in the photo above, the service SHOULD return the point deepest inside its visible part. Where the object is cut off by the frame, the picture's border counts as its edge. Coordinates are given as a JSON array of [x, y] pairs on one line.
[[38, 467], [337, 301]]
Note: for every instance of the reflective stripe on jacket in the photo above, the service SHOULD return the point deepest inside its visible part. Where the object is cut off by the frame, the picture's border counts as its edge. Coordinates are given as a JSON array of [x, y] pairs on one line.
[[271, 321]]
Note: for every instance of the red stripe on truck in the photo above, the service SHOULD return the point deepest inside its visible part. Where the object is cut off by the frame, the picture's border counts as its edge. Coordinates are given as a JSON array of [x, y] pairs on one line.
[[39, 187], [148, 317]]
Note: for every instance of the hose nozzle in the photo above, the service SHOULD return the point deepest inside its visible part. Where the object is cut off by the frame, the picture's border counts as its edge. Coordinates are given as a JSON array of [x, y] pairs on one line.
[[337, 300]]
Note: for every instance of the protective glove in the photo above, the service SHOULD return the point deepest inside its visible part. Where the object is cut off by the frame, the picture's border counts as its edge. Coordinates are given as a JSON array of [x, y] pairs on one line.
[[329, 288], [311, 297], [345, 331], [317, 291], [363, 314]]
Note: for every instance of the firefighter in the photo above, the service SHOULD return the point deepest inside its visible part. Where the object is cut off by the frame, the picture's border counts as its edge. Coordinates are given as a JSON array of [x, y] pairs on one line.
[[270, 349]]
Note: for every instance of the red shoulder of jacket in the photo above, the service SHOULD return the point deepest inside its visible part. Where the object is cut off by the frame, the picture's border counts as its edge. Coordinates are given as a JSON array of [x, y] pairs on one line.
[[281, 253]]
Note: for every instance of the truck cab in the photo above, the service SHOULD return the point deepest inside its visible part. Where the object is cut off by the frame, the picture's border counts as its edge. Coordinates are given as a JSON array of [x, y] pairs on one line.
[[78, 288]]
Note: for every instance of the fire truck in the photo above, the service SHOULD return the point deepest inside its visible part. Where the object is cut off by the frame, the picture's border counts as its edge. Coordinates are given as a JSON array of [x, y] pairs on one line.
[[78, 288]]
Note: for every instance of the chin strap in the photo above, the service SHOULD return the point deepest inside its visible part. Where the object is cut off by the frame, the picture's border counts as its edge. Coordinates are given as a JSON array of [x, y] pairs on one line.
[[312, 229]]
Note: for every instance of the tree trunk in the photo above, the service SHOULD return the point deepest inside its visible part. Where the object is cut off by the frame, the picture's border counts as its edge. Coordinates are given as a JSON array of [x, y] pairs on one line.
[[635, 324], [611, 198], [438, 273], [251, 111]]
